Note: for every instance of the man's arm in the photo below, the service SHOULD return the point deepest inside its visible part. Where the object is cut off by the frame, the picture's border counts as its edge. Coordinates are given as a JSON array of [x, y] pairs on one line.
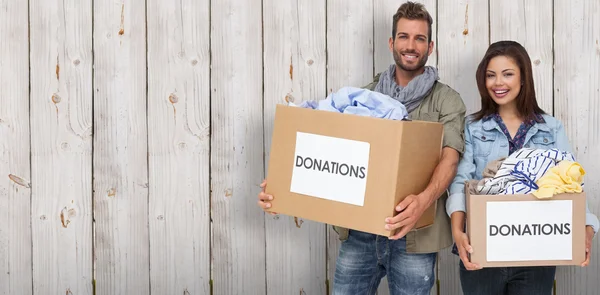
[[413, 206], [452, 116]]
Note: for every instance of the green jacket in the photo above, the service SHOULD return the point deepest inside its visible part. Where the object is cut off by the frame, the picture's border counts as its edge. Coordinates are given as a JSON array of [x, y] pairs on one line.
[[443, 105]]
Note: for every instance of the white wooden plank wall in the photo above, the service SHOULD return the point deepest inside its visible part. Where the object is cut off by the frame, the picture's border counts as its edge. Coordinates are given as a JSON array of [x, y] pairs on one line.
[[237, 155], [294, 70], [120, 166], [61, 146], [15, 173], [349, 63], [463, 38], [178, 137], [577, 105], [161, 197]]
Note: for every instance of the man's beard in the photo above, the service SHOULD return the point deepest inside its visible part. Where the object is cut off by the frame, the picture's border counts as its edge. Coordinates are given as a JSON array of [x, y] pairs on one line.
[[410, 68]]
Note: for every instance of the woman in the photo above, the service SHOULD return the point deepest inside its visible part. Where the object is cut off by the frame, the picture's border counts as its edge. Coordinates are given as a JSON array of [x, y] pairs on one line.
[[510, 119]]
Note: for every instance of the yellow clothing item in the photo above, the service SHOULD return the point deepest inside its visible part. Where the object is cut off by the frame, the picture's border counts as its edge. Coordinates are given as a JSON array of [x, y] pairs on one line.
[[566, 177]]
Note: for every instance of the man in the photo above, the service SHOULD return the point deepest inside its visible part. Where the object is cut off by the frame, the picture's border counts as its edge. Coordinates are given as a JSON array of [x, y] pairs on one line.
[[408, 258]]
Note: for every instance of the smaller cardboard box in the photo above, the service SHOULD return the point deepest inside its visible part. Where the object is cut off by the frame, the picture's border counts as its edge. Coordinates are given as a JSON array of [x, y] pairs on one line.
[[522, 230], [349, 170]]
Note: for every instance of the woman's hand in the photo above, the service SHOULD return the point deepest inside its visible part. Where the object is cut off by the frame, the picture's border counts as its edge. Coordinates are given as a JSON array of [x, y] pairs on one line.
[[462, 240], [589, 236], [462, 243]]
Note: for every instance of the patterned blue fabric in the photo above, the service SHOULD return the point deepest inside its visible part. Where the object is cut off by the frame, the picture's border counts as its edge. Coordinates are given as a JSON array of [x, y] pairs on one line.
[[517, 142]]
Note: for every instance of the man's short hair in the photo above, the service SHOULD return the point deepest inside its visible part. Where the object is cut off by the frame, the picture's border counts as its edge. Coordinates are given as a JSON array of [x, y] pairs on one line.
[[412, 11]]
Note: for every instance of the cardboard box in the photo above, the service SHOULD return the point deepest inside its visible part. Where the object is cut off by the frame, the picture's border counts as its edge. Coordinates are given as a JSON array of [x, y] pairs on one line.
[[521, 230], [349, 170]]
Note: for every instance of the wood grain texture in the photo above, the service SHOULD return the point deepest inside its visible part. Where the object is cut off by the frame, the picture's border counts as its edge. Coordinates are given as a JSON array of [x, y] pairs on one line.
[[61, 146], [527, 22], [463, 38], [179, 146], [237, 148], [294, 70], [384, 11], [15, 172], [121, 245], [349, 63], [577, 105]]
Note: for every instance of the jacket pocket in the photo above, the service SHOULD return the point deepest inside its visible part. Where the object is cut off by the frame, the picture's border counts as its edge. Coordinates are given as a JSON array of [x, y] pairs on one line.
[[543, 140], [483, 143]]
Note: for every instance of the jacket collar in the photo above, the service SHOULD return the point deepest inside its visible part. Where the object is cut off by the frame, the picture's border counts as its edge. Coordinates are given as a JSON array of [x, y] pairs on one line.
[[489, 123]]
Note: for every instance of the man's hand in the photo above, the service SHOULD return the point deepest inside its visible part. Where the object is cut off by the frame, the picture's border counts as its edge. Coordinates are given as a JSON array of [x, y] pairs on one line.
[[264, 200], [411, 209], [589, 236], [413, 206]]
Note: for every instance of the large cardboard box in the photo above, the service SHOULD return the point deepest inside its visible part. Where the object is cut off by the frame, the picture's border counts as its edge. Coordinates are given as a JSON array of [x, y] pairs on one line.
[[349, 170], [521, 230]]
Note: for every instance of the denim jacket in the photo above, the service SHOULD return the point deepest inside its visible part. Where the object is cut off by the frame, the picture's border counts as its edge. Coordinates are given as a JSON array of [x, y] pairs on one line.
[[485, 142]]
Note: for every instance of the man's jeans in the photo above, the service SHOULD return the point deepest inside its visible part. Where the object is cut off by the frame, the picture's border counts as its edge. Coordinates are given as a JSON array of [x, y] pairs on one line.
[[508, 280], [364, 259]]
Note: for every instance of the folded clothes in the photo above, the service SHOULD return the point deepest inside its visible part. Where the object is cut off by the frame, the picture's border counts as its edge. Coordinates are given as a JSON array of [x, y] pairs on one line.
[[492, 168], [358, 101], [566, 177], [519, 172], [498, 183]]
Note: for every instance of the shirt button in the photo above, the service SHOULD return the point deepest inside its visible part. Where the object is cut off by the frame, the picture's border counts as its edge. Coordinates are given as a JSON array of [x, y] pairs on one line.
[[545, 140], [527, 146], [483, 137]]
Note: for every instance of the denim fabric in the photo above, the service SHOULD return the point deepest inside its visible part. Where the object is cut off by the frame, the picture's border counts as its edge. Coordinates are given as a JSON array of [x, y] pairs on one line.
[[364, 259], [508, 280], [515, 143], [485, 142]]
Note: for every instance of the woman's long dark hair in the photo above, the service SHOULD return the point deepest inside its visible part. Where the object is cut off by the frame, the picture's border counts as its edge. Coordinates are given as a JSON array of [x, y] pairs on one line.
[[527, 105]]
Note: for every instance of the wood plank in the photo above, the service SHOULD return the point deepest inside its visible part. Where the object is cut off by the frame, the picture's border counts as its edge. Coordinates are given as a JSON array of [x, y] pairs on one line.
[[61, 146], [237, 157], [294, 69], [448, 273], [121, 245], [577, 105], [15, 172], [463, 38], [527, 23], [179, 146], [350, 63], [384, 11], [384, 287]]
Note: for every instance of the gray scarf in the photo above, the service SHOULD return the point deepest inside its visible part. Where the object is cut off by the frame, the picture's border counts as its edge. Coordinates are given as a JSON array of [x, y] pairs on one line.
[[411, 95]]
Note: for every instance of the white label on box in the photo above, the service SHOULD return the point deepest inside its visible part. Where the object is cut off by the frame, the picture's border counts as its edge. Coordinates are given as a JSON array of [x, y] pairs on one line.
[[529, 230], [330, 168]]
